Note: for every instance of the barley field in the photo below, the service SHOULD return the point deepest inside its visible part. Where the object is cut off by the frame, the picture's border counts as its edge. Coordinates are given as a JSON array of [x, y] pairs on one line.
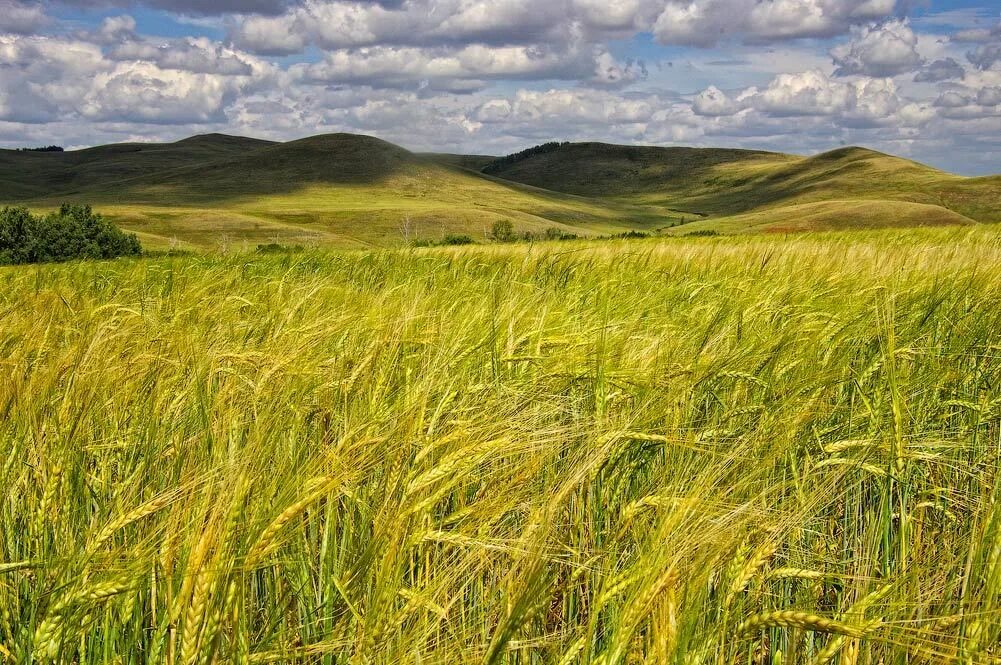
[[694, 451]]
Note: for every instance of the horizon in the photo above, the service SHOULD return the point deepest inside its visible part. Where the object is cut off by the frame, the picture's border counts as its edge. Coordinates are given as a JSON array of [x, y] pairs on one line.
[[917, 80], [433, 152]]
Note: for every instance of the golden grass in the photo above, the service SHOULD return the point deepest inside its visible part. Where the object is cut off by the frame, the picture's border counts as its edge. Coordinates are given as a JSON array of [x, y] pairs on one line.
[[738, 450]]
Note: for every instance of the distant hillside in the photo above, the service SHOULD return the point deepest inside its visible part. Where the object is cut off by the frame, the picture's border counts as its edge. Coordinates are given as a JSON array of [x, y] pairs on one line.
[[32, 175], [332, 159], [337, 189], [350, 190], [600, 169], [471, 162], [722, 182]]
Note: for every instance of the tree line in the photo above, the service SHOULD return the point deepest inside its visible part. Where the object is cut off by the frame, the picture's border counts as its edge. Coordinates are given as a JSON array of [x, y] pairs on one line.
[[503, 162], [72, 232]]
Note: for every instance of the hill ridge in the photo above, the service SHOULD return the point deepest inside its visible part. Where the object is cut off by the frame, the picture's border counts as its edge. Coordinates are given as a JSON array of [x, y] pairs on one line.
[[342, 185]]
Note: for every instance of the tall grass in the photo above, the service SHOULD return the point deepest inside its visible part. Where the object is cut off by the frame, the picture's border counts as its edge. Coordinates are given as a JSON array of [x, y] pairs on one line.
[[703, 452]]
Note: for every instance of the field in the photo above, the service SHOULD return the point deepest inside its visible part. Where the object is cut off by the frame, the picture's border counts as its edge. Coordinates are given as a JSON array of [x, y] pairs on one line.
[[757, 449], [349, 191]]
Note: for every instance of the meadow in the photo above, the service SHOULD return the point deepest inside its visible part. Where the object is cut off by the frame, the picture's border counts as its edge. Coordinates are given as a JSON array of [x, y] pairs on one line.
[[345, 191], [753, 449]]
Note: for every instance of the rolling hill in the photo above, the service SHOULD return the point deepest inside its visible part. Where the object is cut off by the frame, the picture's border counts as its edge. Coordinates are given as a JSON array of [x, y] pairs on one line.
[[723, 183], [350, 190]]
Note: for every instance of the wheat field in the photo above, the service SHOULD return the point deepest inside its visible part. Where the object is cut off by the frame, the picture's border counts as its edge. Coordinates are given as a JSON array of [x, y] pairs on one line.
[[694, 451]]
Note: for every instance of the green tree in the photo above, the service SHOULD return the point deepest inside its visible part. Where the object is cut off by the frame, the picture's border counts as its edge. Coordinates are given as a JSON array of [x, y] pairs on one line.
[[503, 231], [73, 232]]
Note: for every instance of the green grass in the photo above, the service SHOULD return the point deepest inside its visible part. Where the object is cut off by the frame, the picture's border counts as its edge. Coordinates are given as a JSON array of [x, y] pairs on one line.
[[727, 183], [355, 191], [752, 449], [342, 190], [830, 215]]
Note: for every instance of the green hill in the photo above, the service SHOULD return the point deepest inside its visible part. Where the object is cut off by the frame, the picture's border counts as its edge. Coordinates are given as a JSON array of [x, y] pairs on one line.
[[350, 190], [338, 189], [600, 169], [32, 175], [723, 183], [834, 215]]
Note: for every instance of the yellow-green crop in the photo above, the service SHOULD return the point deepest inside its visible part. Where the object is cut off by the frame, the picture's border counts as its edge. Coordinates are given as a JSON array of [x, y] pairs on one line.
[[702, 452]]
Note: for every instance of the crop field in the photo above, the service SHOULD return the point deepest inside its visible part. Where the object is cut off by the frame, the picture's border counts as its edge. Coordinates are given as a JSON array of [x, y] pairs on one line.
[[736, 450]]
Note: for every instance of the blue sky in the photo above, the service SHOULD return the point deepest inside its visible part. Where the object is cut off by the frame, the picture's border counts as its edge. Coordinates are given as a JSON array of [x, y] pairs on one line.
[[918, 79]]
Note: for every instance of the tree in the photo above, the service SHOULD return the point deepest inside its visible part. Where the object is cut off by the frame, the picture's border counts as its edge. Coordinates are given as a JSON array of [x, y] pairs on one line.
[[406, 229], [503, 231], [47, 148], [74, 232]]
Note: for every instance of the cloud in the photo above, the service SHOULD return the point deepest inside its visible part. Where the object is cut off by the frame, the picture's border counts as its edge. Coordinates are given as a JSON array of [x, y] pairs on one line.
[[953, 99], [340, 24], [196, 55], [806, 93], [142, 92], [334, 25], [940, 70], [42, 76], [866, 102], [21, 18], [202, 7], [46, 79], [115, 30], [966, 102], [270, 36], [885, 49], [989, 96], [612, 73], [706, 23], [978, 34], [988, 52], [415, 67], [580, 107], [985, 55], [713, 102]]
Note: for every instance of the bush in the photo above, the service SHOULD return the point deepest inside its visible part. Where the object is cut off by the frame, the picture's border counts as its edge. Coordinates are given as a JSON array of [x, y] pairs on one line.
[[553, 233], [632, 235], [457, 239], [74, 232], [503, 231]]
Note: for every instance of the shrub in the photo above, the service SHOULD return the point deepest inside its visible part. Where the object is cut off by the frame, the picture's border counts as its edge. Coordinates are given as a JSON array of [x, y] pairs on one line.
[[457, 239], [503, 231], [553, 233], [74, 232], [450, 239]]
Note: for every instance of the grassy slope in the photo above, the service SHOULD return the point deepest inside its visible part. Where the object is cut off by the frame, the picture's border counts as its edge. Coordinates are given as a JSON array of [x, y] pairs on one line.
[[841, 214], [586, 453], [32, 175], [349, 190], [722, 183], [336, 189], [471, 162]]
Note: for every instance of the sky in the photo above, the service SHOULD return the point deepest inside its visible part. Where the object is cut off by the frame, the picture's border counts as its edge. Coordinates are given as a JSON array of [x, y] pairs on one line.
[[916, 78]]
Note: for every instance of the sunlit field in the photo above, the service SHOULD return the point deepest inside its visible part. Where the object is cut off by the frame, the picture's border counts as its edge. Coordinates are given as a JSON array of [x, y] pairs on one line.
[[695, 451]]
